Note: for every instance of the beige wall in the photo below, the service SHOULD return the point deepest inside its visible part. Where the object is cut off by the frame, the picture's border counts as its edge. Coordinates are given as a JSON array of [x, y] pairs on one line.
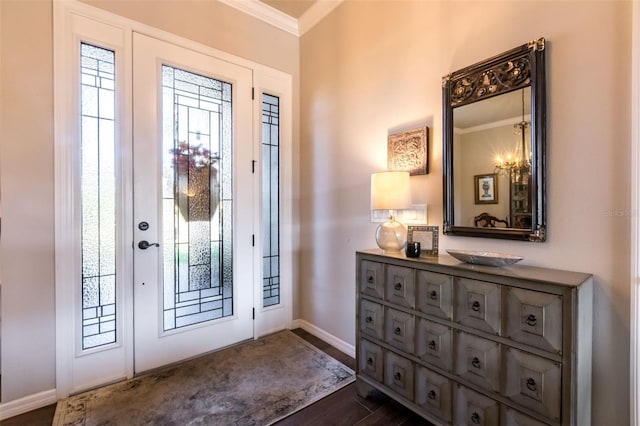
[[26, 157], [371, 66], [26, 173]]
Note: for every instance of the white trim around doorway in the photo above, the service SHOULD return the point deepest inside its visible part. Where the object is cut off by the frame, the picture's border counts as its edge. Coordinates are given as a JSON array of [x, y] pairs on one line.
[[65, 14]]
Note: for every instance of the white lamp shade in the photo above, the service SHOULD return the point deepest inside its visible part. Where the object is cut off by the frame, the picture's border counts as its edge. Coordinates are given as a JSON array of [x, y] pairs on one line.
[[390, 191]]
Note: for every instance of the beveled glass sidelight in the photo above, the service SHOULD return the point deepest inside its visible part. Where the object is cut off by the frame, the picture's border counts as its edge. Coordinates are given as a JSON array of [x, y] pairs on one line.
[[494, 134], [98, 195], [197, 198], [270, 200]]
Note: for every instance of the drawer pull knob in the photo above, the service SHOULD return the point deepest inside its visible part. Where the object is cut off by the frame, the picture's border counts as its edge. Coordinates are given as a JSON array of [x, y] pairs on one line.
[[368, 320], [475, 362], [370, 279], [397, 376], [531, 384], [398, 286], [475, 306], [433, 295], [432, 394], [475, 418], [432, 345], [531, 320], [369, 361], [397, 331]]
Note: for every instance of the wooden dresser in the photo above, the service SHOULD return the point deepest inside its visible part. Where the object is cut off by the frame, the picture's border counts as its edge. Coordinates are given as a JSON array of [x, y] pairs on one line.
[[475, 345]]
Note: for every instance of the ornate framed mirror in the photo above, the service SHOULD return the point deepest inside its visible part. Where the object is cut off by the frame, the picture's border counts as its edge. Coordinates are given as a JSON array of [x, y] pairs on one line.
[[494, 134]]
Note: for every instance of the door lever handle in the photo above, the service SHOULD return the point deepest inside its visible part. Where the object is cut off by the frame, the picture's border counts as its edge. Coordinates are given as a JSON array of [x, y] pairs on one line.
[[144, 244]]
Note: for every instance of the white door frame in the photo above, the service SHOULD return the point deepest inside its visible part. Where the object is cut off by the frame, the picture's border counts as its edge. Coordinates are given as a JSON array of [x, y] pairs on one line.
[[73, 371], [67, 15], [274, 318]]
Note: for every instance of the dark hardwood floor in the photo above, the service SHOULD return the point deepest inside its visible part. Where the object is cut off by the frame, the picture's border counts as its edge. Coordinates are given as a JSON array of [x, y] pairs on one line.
[[343, 407]]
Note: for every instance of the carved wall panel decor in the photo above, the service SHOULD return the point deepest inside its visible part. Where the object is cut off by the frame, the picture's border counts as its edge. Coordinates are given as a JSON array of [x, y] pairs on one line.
[[408, 151]]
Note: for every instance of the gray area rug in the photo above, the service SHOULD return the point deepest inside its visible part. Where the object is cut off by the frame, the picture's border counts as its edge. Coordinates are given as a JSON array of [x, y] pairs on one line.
[[256, 383]]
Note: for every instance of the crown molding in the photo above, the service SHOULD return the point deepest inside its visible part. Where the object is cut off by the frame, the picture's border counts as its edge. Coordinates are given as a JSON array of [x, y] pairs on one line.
[[265, 13], [316, 13], [273, 16]]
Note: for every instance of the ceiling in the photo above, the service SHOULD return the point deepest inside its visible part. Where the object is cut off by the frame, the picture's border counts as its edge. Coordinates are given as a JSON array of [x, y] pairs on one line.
[[293, 8], [294, 16]]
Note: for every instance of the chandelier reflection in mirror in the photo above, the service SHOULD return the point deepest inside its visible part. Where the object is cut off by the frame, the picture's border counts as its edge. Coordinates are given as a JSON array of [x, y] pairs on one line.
[[517, 164], [516, 167]]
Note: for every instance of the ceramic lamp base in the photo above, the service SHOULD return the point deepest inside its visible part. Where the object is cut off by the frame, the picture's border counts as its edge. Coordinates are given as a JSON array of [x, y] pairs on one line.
[[391, 236]]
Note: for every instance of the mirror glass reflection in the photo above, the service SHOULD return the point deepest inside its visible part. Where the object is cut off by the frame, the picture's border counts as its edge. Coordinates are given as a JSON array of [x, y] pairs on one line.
[[492, 162]]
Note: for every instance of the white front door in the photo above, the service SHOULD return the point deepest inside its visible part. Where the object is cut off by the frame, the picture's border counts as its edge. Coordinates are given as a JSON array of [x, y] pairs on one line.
[[154, 143], [192, 201]]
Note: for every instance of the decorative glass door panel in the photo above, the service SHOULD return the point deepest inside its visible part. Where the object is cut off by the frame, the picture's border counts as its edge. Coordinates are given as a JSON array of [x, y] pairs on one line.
[[197, 199]]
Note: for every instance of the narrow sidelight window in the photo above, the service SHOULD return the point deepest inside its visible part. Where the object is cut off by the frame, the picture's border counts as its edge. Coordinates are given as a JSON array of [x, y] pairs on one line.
[[271, 199], [98, 194]]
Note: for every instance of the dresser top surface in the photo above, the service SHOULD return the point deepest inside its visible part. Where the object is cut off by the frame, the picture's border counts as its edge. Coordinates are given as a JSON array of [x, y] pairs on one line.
[[525, 272]]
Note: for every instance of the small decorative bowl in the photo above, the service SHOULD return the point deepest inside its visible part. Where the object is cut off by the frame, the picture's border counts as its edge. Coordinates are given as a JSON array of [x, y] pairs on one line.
[[485, 257]]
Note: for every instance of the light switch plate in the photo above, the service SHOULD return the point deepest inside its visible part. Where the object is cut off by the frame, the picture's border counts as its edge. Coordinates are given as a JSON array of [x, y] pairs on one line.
[[415, 215]]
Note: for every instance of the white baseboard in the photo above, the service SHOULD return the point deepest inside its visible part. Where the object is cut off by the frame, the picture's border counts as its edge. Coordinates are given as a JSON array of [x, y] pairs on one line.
[[339, 344], [27, 403]]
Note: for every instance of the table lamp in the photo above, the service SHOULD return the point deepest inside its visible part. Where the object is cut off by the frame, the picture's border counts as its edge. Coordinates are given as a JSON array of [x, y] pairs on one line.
[[390, 191]]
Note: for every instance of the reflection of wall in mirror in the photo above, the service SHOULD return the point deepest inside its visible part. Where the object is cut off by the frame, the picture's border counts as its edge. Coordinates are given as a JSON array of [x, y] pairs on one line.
[[481, 146], [457, 183]]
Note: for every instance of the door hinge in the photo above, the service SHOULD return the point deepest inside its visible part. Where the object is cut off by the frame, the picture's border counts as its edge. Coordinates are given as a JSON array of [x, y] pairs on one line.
[[253, 166], [253, 240], [253, 93], [253, 315]]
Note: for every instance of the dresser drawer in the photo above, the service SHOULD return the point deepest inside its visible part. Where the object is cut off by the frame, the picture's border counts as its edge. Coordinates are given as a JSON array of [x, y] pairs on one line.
[[400, 286], [372, 279], [478, 304], [433, 393], [398, 374], [434, 343], [372, 319], [534, 318], [474, 409], [434, 294], [511, 417], [533, 382], [399, 330], [478, 360], [371, 360]]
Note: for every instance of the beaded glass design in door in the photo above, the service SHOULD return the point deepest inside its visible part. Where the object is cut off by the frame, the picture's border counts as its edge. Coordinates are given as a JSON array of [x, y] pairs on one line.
[[196, 198]]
